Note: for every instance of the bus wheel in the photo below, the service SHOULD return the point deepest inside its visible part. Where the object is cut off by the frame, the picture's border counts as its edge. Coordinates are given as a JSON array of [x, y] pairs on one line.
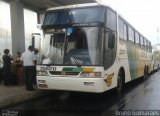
[[119, 83], [145, 74]]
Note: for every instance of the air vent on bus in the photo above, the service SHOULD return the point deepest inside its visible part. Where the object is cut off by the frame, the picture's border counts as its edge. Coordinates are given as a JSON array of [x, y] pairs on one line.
[[63, 73]]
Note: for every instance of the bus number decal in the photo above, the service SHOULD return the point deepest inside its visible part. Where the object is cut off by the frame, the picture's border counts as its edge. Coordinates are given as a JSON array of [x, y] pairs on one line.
[[48, 68], [54, 68]]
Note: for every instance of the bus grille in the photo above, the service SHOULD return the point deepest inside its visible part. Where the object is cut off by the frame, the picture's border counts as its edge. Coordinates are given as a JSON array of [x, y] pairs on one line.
[[63, 73]]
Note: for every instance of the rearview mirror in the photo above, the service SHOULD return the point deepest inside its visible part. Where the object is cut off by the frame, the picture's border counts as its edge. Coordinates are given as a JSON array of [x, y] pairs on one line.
[[111, 40], [51, 40]]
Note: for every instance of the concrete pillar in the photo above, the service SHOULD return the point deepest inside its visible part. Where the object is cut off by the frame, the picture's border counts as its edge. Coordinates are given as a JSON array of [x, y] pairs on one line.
[[17, 27], [40, 18]]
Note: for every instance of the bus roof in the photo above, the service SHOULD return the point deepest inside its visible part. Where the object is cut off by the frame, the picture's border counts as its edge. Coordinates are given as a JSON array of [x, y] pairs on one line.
[[75, 6]]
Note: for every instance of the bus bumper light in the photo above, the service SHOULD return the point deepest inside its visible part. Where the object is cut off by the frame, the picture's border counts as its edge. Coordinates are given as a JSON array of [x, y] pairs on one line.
[[91, 74], [42, 73]]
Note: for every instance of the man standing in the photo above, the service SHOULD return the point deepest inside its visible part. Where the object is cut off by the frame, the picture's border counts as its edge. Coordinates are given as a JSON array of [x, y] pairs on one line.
[[7, 67], [28, 59]]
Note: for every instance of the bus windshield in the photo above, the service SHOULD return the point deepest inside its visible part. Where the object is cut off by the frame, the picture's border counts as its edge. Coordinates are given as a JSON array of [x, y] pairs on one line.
[[72, 16], [82, 46]]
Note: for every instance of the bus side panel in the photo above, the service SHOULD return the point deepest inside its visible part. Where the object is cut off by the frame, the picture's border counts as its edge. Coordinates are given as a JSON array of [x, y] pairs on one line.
[[140, 64], [123, 60], [132, 60], [138, 59]]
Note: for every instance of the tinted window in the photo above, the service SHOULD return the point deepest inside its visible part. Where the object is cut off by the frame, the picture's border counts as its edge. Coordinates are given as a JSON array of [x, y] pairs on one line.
[[111, 19], [130, 34], [82, 15], [150, 46], [145, 43], [141, 40], [121, 29], [125, 32], [137, 38]]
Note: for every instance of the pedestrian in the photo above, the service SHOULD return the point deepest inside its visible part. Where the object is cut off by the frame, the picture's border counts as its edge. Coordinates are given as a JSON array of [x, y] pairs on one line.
[[1, 69], [7, 67], [1, 62], [19, 69], [28, 59]]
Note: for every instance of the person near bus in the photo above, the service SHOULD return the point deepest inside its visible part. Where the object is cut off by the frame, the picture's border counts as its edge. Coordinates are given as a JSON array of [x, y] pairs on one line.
[[1, 69], [19, 69], [7, 60], [28, 59]]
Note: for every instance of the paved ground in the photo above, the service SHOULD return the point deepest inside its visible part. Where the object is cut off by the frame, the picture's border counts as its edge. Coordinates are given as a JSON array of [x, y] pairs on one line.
[[139, 97], [62, 103], [16, 94], [147, 96], [144, 97]]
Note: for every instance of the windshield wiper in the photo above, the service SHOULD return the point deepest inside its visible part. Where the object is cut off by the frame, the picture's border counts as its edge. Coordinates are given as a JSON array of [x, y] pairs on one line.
[[76, 62], [53, 58]]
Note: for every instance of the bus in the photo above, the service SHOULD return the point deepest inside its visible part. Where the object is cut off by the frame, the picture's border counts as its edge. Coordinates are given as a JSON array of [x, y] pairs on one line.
[[90, 48], [156, 57]]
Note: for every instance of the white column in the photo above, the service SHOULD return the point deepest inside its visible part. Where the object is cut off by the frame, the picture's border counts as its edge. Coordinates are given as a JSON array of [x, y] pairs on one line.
[[40, 18], [17, 27]]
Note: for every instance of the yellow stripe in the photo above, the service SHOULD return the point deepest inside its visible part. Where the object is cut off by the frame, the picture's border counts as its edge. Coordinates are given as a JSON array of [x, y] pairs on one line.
[[87, 69]]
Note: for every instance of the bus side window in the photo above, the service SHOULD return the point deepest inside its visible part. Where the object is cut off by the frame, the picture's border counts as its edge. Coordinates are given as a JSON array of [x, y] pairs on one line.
[[137, 38], [130, 34], [111, 19], [141, 41], [125, 32]]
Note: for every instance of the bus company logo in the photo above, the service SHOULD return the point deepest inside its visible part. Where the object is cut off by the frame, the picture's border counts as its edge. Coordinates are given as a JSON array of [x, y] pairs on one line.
[[109, 79], [122, 51], [143, 55]]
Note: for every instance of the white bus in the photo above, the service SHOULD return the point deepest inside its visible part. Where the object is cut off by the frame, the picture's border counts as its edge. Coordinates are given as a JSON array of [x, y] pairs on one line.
[[90, 48], [156, 57]]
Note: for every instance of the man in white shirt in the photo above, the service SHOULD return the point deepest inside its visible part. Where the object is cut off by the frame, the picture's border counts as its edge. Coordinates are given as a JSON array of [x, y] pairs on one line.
[[28, 59]]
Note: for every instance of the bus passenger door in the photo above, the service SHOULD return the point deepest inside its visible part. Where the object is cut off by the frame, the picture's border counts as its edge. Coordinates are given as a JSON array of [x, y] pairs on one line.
[[109, 48]]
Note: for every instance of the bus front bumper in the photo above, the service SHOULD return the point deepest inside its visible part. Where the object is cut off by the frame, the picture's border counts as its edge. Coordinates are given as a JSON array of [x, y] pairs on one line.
[[94, 85]]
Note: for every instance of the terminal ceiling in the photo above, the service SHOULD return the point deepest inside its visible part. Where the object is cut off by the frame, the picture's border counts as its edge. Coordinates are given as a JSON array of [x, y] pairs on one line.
[[41, 5]]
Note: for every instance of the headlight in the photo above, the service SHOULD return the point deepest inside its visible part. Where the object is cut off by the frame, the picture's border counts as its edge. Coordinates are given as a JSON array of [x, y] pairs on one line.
[[91, 74], [42, 73]]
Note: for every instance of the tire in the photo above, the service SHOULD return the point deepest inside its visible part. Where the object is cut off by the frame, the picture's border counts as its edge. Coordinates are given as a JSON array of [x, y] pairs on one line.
[[145, 74], [119, 83]]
